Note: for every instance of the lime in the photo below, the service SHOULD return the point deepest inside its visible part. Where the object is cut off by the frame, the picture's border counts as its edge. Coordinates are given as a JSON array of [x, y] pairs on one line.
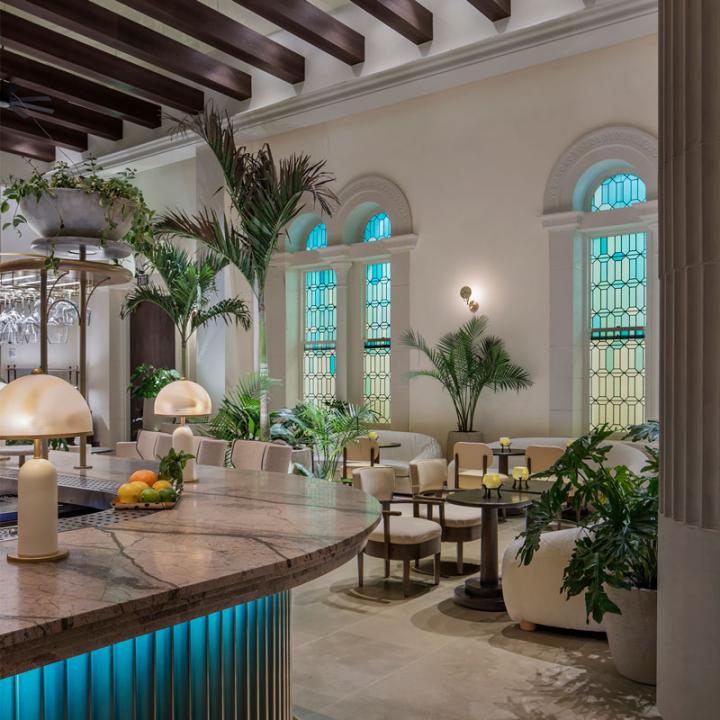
[[149, 496], [167, 495]]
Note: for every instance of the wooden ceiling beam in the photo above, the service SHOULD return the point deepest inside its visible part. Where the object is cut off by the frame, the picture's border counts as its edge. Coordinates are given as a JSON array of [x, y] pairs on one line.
[[63, 52], [408, 17], [46, 79], [219, 31], [44, 131], [493, 9], [109, 28], [313, 25], [74, 116], [18, 145]]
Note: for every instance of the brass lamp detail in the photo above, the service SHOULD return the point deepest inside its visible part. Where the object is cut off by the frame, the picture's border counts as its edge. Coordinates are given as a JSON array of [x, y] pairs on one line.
[[466, 295]]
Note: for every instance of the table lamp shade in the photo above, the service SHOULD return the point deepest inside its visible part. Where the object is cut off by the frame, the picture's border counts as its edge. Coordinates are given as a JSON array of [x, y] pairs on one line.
[[183, 398], [37, 407]]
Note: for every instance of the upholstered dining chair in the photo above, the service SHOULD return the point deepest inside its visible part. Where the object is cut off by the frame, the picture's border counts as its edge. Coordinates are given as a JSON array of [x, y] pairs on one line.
[[472, 461], [459, 524], [540, 458], [210, 451], [277, 458], [398, 536], [363, 452], [256, 455]]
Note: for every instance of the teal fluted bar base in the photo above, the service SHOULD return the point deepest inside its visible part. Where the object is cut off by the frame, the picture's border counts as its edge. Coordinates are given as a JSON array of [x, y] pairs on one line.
[[233, 664]]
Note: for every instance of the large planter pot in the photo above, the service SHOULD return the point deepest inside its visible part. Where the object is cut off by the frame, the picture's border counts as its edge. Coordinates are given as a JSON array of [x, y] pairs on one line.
[[632, 636], [455, 436], [69, 218]]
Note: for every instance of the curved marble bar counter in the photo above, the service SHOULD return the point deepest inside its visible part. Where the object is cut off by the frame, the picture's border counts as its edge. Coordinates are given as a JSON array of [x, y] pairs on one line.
[[182, 613]]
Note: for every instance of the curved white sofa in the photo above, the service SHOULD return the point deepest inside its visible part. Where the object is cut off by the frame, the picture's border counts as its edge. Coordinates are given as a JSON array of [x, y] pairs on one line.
[[413, 447], [532, 592]]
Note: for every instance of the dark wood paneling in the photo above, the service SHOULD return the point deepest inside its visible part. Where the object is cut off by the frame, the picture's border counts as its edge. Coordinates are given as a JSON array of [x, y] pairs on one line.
[[408, 17], [18, 145], [47, 79], [212, 27], [116, 31], [313, 25], [43, 130], [493, 9], [63, 52], [152, 340]]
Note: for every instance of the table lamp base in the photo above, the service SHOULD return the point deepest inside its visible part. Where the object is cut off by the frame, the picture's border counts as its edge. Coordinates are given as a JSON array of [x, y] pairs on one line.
[[61, 554]]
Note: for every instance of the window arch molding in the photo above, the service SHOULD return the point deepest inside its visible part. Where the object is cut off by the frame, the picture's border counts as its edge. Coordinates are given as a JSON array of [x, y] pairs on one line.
[[570, 226]]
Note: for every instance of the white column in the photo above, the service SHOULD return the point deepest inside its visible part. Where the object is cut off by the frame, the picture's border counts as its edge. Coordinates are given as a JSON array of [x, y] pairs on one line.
[[689, 582]]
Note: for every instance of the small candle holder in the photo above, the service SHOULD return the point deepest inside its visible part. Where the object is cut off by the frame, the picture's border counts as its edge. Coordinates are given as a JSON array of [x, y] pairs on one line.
[[505, 443], [520, 475], [490, 483]]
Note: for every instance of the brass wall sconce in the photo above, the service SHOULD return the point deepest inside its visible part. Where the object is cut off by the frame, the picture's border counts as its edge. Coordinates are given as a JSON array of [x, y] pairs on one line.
[[466, 295]]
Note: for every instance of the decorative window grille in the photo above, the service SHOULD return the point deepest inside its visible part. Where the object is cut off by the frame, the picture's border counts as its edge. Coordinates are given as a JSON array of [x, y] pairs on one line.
[[618, 191], [317, 237], [376, 361]]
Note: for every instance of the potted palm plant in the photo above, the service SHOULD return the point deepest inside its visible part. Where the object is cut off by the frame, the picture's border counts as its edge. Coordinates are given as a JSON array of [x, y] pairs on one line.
[[465, 362], [614, 561], [188, 285], [266, 196]]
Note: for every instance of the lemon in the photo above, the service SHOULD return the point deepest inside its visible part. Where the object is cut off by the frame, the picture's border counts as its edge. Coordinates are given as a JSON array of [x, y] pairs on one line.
[[128, 493], [162, 484]]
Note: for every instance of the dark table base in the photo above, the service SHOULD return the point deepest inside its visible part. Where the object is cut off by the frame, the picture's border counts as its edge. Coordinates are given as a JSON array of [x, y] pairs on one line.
[[471, 594]]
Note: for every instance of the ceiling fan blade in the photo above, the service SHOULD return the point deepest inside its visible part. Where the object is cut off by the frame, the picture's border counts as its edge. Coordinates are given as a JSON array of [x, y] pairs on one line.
[[33, 98], [19, 112], [34, 108]]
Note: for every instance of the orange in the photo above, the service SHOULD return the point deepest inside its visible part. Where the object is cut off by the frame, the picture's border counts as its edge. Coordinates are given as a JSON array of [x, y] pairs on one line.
[[139, 484], [149, 477]]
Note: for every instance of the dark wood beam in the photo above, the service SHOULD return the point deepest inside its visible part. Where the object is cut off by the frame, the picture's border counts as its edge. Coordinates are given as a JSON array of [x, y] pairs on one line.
[[18, 145], [63, 52], [493, 9], [116, 31], [408, 17], [43, 130], [218, 30], [74, 116], [313, 25], [47, 79]]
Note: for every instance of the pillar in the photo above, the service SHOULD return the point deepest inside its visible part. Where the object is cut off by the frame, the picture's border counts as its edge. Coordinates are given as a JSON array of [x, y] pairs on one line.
[[689, 545]]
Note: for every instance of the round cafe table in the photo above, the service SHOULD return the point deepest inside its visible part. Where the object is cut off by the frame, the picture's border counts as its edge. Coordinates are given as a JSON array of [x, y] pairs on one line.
[[484, 591], [504, 454]]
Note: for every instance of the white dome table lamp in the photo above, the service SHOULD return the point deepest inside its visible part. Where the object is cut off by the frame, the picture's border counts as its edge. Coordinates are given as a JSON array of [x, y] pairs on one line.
[[38, 407], [183, 399]]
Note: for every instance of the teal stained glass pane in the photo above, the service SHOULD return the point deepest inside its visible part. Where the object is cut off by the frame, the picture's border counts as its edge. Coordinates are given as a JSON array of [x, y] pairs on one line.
[[317, 238], [320, 336], [378, 227], [619, 191], [618, 311], [376, 377]]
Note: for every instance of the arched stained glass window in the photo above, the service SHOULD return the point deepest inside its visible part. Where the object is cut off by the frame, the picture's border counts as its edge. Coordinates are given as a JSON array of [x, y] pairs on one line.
[[618, 191], [376, 362], [320, 336], [317, 237]]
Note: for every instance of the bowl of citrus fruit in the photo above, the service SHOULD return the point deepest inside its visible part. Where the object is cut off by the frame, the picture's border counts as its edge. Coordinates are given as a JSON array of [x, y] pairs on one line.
[[144, 491]]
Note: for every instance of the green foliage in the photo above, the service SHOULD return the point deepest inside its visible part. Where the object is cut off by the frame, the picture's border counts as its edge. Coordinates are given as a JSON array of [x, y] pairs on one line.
[[146, 381], [188, 284], [53, 443], [618, 513], [112, 191], [172, 466], [648, 431], [465, 362]]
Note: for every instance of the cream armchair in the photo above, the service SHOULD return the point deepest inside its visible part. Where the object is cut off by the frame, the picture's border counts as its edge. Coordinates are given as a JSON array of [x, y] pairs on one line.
[[413, 448]]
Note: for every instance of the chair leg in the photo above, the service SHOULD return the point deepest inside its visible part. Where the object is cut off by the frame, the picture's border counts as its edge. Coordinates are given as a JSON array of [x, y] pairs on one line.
[[460, 558], [436, 568], [406, 578], [528, 626], [387, 568], [361, 578]]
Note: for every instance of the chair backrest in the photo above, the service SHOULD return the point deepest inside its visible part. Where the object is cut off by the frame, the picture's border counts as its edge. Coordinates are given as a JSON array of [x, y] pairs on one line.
[[363, 448], [539, 458], [277, 458], [146, 443], [413, 446], [376, 481], [426, 475], [472, 456], [248, 454], [623, 453], [163, 445], [211, 452]]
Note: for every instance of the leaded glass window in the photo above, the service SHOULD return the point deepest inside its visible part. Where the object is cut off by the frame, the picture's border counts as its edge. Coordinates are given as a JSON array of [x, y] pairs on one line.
[[376, 361], [319, 352], [317, 237], [618, 191], [618, 286]]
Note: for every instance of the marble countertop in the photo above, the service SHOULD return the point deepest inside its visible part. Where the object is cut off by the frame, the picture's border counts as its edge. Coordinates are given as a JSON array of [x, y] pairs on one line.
[[234, 537]]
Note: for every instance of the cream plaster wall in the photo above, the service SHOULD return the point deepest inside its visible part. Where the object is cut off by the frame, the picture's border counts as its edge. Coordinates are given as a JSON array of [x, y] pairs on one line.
[[473, 163]]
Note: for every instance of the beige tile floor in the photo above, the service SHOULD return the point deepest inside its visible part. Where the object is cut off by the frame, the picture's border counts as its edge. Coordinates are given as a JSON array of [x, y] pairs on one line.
[[425, 658]]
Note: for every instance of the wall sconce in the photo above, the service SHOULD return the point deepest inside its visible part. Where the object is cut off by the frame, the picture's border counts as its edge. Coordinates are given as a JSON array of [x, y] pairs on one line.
[[466, 295]]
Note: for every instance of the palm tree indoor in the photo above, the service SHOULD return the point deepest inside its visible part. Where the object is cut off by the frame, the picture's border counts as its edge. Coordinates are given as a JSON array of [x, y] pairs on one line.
[[185, 295], [266, 196]]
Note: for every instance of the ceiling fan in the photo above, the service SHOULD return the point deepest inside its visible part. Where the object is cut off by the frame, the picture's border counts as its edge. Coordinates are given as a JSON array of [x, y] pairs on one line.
[[10, 100]]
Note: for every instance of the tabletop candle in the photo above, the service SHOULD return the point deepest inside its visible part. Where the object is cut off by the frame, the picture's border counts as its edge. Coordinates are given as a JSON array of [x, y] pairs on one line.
[[505, 442], [520, 472], [492, 481]]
